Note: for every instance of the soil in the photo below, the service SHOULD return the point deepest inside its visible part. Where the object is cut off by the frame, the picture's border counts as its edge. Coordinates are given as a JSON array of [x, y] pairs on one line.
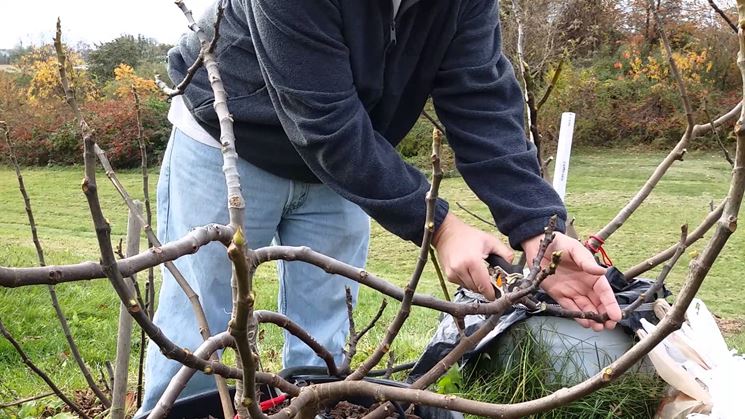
[[730, 327], [344, 410], [87, 402]]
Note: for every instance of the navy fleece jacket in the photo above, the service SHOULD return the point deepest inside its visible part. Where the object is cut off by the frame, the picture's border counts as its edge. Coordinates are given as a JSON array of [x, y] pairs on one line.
[[325, 89]]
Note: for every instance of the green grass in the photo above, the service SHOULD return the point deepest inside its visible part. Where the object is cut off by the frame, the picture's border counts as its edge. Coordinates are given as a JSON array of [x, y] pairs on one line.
[[528, 370], [600, 184]]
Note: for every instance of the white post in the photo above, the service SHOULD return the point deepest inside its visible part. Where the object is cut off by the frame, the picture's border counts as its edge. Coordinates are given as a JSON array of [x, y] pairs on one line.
[[563, 152]]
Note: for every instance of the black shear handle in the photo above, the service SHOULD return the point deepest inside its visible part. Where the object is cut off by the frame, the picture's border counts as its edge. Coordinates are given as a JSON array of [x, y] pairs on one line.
[[496, 260]]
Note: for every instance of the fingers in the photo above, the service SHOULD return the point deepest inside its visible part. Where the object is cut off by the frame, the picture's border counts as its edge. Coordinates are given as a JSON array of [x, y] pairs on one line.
[[569, 304], [586, 305], [493, 245], [607, 299], [479, 277], [584, 260], [609, 324], [472, 274]]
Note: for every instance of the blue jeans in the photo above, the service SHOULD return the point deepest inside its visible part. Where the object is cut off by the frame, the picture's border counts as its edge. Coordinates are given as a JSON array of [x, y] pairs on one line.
[[192, 193]]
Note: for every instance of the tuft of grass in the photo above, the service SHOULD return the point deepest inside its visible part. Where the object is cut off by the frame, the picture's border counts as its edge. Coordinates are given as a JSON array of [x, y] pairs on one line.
[[528, 370]]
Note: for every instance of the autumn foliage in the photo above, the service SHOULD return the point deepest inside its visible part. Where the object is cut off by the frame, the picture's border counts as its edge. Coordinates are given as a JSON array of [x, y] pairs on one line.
[[43, 129]]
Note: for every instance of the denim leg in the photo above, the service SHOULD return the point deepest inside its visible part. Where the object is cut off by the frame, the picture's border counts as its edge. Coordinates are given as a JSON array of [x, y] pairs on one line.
[[324, 221], [192, 193]]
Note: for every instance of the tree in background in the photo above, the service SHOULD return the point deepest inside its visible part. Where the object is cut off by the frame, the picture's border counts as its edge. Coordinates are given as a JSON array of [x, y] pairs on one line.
[[126, 49]]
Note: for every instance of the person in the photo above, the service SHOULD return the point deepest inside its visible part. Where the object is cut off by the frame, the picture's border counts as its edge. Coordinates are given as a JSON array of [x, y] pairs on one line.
[[320, 92]]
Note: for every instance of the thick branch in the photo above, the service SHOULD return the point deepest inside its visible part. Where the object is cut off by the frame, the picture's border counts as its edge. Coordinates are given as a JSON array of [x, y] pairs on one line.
[[277, 319], [56, 274], [103, 235]]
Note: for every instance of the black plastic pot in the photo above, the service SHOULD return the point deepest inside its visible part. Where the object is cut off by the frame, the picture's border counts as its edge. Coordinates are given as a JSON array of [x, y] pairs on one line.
[[208, 404]]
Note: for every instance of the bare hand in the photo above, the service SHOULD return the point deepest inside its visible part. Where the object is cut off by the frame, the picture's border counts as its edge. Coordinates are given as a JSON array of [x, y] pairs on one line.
[[579, 283], [461, 249]]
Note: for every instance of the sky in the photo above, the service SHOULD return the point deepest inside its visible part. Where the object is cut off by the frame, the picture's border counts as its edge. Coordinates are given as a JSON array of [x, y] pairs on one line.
[[92, 21]]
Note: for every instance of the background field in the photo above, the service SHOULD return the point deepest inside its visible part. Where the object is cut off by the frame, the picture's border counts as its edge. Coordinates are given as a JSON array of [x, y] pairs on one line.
[[600, 183]]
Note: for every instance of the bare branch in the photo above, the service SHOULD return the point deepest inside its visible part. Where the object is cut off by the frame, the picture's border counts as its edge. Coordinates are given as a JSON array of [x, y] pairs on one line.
[[103, 235], [204, 328], [354, 336], [124, 331], [724, 16], [440, 276], [52, 292], [56, 274], [652, 291], [434, 122], [476, 216], [263, 316], [521, 67], [693, 237], [26, 360], [429, 229], [26, 400], [206, 350], [552, 84], [692, 131], [717, 136], [181, 87]]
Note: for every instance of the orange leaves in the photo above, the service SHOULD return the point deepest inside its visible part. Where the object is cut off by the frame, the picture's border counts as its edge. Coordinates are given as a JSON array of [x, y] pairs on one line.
[[125, 79]]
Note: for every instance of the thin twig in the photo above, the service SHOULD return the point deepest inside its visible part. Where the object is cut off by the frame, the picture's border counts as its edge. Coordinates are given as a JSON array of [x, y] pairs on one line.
[[521, 64], [429, 229], [181, 87], [693, 237], [354, 336], [25, 400], [724, 16], [26, 360], [150, 296], [476, 216], [440, 276], [660, 281], [52, 292], [434, 122], [552, 83], [717, 136]]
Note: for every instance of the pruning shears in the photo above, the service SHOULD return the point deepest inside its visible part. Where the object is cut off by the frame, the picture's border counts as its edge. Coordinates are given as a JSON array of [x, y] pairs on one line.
[[507, 277]]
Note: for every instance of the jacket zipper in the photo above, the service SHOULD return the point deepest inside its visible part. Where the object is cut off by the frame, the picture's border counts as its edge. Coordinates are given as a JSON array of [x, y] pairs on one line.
[[395, 18]]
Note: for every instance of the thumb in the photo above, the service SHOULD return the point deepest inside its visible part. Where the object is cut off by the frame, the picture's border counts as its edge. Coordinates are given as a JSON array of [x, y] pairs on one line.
[[585, 260], [493, 245]]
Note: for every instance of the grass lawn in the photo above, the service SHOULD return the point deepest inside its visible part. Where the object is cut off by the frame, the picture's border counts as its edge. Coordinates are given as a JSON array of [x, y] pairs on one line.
[[601, 182]]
